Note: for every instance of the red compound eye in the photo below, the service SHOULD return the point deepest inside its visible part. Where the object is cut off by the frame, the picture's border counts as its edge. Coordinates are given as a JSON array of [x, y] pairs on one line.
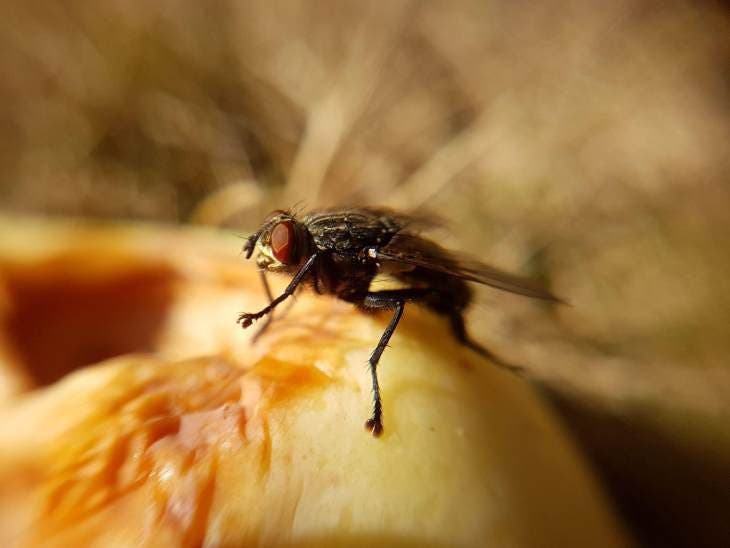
[[283, 241]]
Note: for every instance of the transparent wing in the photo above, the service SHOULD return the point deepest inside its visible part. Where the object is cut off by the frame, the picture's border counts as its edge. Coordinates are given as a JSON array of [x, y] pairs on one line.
[[408, 249]]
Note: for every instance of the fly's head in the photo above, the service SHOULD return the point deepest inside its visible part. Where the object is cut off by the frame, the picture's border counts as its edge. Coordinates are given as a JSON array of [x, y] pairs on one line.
[[282, 242]]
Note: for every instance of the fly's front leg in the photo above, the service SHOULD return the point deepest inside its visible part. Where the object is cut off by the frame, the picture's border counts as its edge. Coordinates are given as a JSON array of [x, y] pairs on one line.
[[247, 318], [270, 317], [394, 299]]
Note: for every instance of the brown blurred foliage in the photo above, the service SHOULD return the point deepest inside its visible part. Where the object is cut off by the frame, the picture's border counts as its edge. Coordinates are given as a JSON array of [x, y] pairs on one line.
[[585, 143]]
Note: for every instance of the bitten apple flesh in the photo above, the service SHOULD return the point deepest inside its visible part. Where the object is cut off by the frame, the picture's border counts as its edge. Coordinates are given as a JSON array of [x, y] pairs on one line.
[[212, 441]]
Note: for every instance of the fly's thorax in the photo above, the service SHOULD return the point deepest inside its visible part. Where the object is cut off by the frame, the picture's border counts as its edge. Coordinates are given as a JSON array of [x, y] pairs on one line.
[[348, 231]]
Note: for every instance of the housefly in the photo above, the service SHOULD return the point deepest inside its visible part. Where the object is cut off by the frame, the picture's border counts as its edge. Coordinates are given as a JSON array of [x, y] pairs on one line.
[[341, 251]]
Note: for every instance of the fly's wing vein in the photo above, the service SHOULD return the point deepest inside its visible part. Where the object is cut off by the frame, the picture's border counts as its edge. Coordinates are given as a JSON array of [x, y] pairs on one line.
[[415, 251]]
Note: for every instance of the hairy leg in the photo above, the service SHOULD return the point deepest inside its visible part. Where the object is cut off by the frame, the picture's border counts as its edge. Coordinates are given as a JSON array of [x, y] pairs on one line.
[[459, 330], [395, 300], [247, 318], [270, 317]]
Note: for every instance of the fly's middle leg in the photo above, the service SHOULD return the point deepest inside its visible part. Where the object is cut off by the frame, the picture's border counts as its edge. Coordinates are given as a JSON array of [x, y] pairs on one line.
[[396, 300]]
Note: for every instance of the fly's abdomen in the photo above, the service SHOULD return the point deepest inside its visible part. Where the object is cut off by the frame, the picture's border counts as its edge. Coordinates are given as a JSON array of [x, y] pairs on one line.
[[447, 294]]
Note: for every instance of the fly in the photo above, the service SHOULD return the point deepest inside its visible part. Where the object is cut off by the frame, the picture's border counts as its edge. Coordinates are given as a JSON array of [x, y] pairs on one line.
[[340, 251]]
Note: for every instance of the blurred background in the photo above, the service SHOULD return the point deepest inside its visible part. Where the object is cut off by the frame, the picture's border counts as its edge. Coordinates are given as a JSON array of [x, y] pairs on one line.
[[583, 143]]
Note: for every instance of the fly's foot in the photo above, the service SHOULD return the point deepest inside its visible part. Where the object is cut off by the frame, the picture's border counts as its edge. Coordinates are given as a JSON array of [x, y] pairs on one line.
[[374, 426], [246, 319]]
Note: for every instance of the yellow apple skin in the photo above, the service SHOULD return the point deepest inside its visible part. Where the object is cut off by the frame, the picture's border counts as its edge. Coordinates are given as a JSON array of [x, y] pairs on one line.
[[214, 441]]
